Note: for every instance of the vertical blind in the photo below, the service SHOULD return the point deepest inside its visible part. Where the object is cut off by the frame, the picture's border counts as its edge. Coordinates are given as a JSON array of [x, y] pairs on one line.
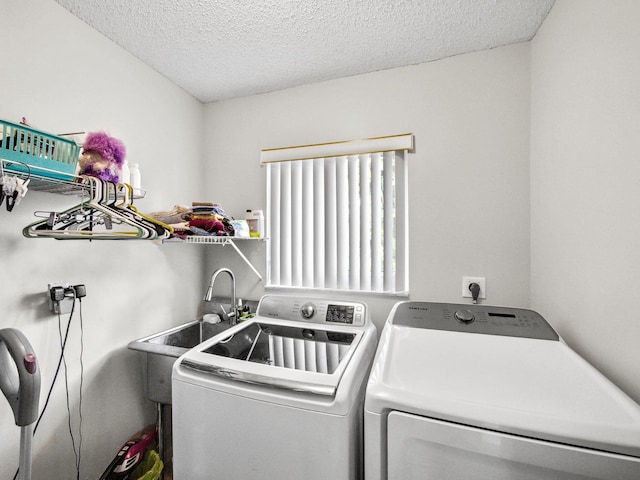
[[338, 222]]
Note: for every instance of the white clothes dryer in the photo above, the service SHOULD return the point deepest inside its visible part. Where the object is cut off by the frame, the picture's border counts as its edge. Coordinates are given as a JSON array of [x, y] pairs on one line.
[[476, 392], [279, 396]]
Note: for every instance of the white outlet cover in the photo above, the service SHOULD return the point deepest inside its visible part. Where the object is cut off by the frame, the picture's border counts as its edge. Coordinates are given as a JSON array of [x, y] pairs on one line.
[[466, 281]]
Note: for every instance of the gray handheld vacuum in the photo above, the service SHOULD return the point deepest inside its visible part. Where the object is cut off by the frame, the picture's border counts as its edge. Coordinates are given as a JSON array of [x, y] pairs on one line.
[[20, 383]]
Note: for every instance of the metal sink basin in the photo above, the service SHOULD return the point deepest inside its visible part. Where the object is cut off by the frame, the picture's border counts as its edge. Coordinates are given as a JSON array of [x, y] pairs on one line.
[[177, 340], [163, 348]]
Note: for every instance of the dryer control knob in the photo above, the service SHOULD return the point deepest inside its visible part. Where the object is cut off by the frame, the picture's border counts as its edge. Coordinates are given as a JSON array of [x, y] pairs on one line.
[[464, 316], [308, 310]]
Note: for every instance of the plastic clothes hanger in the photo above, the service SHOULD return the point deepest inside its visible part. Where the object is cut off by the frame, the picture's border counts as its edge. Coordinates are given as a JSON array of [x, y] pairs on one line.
[[125, 191], [78, 217], [89, 220], [100, 202], [111, 190]]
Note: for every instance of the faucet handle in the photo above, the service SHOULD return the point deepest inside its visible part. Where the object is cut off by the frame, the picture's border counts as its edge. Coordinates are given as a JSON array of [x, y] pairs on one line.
[[228, 316]]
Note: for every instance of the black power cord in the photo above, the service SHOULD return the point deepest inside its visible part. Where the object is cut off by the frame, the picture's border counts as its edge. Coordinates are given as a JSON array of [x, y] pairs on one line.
[[71, 292], [80, 292], [77, 292]]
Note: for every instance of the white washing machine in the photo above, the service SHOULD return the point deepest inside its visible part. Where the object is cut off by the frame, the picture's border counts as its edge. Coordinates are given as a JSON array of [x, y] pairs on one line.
[[279, 396], [476, 392]]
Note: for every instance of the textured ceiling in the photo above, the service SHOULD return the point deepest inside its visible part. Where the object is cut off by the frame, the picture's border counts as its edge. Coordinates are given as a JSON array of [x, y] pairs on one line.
[[218, 49]]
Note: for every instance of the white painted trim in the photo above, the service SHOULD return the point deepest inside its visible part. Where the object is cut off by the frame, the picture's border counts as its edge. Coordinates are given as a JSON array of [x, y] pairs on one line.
[[334, 149]]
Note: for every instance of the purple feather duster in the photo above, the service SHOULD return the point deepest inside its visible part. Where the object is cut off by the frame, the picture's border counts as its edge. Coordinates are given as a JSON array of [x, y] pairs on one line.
[[110, 149], [102, 157]]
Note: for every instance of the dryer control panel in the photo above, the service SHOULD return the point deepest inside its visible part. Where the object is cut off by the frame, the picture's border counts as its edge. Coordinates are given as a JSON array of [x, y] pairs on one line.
[[314, 310], [512, 322]]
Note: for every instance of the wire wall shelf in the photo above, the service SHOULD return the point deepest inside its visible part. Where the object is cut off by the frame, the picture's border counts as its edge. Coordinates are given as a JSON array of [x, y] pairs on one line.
[[39, 181], [214, 240], [77, 185]]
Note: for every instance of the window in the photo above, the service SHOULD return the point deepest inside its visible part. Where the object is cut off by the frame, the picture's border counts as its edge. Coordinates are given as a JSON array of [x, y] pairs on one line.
[[337, 217]]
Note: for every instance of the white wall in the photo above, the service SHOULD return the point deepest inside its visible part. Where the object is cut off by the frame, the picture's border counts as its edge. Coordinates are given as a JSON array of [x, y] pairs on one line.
[[469, 193], [585, 181], [469, 175], [64, 76]]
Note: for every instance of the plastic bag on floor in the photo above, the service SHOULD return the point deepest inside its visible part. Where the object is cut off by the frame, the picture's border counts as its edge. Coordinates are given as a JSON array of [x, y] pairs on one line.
[[150, 468]]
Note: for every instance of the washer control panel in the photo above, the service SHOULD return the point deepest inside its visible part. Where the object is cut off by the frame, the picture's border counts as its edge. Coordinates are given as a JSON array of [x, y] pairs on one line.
[[316, 310], [512, 322]]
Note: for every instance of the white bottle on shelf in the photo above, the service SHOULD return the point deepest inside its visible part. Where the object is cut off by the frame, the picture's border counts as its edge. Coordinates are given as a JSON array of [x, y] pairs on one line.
[[255, 219], [135, 177], [125, 174]]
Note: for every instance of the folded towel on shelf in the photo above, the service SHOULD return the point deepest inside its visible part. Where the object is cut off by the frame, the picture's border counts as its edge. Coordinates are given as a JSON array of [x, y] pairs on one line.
[[202, 232], [208, 210], [210, 225], [177, 214]]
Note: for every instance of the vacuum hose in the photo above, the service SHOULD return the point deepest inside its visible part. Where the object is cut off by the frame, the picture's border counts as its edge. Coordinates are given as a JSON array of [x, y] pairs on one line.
[[20, 383]]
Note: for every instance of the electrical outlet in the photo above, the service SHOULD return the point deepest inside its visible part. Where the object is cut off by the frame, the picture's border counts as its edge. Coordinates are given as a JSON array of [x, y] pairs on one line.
[[466, 281], [60, 301]]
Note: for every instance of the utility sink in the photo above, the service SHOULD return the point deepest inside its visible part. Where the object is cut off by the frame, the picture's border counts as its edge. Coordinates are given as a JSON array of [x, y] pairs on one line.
[[163, 348]]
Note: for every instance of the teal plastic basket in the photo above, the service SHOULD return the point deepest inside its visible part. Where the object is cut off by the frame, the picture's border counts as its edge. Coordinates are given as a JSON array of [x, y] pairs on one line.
[[45, 155]]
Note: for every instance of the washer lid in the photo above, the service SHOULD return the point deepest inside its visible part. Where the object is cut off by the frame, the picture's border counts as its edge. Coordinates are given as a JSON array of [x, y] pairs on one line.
[[298, 356], [531, 387]]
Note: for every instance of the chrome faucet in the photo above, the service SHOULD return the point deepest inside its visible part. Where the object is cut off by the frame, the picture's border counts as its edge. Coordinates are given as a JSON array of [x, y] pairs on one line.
[[231, 316]]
